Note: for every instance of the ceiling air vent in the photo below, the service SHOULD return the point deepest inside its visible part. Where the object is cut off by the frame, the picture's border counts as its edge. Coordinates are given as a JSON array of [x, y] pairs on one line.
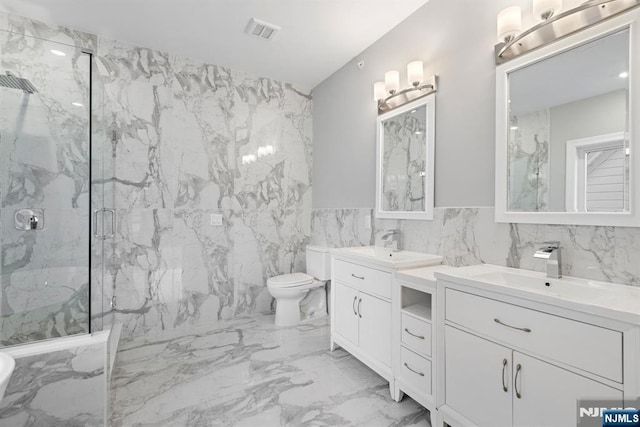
[[261, 29]]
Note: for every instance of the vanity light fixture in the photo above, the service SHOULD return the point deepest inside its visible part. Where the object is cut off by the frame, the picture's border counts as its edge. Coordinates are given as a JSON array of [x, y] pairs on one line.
[[623, 75], [556, 24], [388, 94], [58, 52], [77, 104]]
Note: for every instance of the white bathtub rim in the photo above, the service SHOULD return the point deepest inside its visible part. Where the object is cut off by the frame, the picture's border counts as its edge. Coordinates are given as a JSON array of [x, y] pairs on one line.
[[57, 344]]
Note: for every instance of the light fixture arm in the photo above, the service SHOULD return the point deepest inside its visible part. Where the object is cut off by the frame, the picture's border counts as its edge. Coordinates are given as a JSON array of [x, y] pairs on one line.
[[426, 89], [560, 25]]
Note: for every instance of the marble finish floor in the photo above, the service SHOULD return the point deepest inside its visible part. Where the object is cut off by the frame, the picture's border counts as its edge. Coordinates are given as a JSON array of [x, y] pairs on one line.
[[248, 373]]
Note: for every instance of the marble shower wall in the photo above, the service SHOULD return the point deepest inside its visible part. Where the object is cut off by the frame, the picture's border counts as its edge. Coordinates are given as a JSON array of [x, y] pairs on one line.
[[169, 138], [182, 130], [529, 162], [44, 165], [467, 236]]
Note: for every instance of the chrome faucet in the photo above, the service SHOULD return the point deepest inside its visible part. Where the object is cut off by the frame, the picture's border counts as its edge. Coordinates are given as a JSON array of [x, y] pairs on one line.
[[551, 252], [390, 237]]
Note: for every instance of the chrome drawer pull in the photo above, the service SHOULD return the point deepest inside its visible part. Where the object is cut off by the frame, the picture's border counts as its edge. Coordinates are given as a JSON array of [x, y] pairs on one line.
[[354, 305], [357, 277], [415, 372], [504, 369], [359, 314], [515, 381], [413, 335], [512, 327]]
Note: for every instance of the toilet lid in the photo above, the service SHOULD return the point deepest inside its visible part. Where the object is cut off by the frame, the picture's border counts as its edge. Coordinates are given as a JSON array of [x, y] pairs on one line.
[[293, 279]]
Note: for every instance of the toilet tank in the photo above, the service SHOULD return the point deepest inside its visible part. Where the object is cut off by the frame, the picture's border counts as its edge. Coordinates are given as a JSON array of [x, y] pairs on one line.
[[319, 262]]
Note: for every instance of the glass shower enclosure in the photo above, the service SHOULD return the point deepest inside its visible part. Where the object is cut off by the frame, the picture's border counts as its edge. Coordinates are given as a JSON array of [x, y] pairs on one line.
[[52, 219]]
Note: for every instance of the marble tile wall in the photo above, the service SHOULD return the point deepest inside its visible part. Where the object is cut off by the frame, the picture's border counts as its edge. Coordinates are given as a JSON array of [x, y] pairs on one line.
[[176, 141], [183, 129], [466, 236]]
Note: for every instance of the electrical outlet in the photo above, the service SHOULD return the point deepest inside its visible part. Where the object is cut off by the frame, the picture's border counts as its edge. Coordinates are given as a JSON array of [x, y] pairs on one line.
[[216, 219], [367, 222]]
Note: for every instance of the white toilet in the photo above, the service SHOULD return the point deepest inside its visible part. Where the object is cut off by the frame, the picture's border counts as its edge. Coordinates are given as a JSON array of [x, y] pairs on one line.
[[290, 289]]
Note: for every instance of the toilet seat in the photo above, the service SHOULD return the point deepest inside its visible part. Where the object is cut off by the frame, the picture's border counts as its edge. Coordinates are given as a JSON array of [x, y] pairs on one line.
[[291, 280]]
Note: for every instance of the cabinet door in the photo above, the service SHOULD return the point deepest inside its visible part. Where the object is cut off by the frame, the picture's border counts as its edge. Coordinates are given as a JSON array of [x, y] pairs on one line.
[[346, 316], [477, 373], [375, 328], [545, 395]]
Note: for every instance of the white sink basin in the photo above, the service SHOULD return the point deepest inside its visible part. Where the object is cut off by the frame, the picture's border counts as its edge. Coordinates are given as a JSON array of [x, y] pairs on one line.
[[567, 287], [7, 364], [575, 292], [389, 258]]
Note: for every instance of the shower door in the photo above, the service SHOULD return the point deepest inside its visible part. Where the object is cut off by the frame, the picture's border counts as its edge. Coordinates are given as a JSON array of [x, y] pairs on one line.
[[45, 169]]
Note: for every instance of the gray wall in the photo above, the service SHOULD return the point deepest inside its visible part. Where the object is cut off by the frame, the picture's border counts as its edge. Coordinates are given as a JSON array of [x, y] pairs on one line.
[[455, 39], [594, 116]]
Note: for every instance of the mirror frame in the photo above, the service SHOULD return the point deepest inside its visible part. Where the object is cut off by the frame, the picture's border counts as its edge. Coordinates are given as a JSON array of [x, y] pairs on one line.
[[630, 20], [430, 103]]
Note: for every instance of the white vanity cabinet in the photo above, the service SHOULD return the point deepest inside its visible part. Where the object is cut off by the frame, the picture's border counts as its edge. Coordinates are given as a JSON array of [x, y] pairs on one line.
[[361, 307], [493, 385], [517, 358], [413, 334], [365, 322], [361, 315]]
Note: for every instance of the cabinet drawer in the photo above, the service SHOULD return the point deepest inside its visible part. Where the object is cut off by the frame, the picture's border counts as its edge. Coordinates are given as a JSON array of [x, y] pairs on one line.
[[589, 347], [366, 279], [416, 370], [416, 334]]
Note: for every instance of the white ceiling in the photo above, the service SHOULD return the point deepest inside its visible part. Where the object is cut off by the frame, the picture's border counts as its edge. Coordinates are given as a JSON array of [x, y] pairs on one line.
[[317, 37]]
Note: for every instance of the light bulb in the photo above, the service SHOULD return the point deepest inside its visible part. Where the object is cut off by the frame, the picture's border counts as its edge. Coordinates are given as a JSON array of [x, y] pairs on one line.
[[509, 23], [415, 72], [379, 91], [392, 81]]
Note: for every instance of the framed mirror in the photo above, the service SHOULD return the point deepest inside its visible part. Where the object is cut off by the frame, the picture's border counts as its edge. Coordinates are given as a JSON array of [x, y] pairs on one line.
[[567, 129], [405, 161]]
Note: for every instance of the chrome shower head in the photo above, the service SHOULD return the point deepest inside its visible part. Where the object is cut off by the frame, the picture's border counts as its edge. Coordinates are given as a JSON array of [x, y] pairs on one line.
[[13, 82]]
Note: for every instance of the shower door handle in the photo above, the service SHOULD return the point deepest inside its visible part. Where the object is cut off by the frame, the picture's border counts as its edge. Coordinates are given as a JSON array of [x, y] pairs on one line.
[[113, 222], [99, 214]]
